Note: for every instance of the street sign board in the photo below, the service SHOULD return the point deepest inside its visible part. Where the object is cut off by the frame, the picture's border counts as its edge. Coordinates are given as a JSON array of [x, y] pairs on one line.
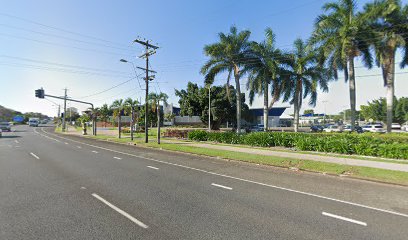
[[18, 119]]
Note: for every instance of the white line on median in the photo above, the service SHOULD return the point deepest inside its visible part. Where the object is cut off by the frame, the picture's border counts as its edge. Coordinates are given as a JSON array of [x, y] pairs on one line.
[[117, 158], [120, 211], [32, 154], [240, 179], [94, 151], [221, 186], [155, 168], [344, 218]]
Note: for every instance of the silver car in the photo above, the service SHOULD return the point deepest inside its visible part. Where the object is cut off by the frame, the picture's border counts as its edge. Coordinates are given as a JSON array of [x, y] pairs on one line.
[[5, 126]]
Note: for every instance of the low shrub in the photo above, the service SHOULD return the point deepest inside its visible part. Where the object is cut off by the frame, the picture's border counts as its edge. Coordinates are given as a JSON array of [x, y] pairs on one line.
[[360, 144]]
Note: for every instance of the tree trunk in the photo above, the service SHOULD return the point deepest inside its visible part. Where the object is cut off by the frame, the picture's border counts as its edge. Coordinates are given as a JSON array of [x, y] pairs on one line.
[[119, 127], [390, 75], [352, 89], [238, 90], [296, 108], [158, 122], [266, 108]]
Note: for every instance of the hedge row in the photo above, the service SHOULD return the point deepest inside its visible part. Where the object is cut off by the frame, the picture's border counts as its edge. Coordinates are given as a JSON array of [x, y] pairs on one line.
[[360, 144]]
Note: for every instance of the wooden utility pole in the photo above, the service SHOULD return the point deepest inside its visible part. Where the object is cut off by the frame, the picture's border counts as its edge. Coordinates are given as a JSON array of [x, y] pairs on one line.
[[148, 78]]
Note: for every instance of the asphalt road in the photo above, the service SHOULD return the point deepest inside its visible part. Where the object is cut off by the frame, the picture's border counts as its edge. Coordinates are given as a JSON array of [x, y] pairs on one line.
[[65, 187]]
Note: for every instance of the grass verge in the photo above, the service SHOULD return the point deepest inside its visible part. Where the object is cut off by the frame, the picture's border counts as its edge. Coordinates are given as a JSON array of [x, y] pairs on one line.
[[367, 173]]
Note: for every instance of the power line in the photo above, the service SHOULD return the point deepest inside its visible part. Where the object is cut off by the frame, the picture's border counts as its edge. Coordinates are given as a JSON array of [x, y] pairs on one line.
[[59, 29]]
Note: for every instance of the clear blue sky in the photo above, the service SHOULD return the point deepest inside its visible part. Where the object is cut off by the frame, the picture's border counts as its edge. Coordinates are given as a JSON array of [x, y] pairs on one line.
[[77, 44]]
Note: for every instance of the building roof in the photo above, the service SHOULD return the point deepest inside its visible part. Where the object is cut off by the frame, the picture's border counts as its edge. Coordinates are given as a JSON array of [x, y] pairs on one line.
[[273, 112]]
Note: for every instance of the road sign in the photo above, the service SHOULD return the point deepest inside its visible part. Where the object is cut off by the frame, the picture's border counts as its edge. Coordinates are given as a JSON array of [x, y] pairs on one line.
[[18, 119]]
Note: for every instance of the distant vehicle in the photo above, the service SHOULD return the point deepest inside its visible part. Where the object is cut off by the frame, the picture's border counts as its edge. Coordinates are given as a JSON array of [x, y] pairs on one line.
[[33, 122], [44, 121], [257, 128], [396, 126], [357, 129], [316, 128], [375, 128], [5, 126], [405, 127], [333, 128]]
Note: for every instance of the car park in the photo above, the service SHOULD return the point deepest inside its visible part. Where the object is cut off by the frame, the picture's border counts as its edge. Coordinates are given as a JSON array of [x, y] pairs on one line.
[[375, 128], [5, 126]]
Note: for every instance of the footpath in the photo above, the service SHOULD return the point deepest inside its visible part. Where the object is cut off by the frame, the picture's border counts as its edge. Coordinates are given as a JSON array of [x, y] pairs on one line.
[[375, 163]]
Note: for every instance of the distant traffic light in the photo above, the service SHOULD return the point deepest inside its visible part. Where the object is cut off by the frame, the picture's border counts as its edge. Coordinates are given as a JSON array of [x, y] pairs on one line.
[[39, 93]]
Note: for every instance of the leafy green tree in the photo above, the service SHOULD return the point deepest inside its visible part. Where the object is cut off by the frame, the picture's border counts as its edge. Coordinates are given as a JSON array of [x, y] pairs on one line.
[[104, 113], [389, 21], [264, 69], [377, 110], [342, 35], [194, 102], [229, 55], [303, 76], [308, 111]]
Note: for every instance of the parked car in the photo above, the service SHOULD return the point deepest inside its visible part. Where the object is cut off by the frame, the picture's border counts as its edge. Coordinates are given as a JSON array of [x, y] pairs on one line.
[[375, 128], [257, 128], [396, 126], [5, 126], [316, 128], [347, 128], [333, 128]]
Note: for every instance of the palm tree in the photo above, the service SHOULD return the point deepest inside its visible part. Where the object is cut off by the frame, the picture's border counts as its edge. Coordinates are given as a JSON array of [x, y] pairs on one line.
[[229, 55], [388, 19], [342, 36], [303, 76], [104, 113], [131, 105], [156, 98], [264, 69], [118, 107]]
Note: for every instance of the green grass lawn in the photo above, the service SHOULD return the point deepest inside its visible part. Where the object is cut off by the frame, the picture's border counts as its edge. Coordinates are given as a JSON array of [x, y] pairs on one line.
[[308, 165]]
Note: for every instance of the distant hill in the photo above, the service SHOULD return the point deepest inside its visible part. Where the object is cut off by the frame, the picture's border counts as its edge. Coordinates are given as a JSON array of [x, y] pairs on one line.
[[7, 114]]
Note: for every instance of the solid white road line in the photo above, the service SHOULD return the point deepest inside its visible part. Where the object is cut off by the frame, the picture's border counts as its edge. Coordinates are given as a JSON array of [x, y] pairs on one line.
[[83, 188], [155, 168], [344, 218], [120, 211], [221, 186], [241, 179], [79, 147], [94, 151], [117, 158], [66, 143], [32, 154]]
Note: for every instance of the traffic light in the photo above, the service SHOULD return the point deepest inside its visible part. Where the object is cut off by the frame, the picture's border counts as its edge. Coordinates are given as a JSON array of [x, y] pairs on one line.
[[39, 93]]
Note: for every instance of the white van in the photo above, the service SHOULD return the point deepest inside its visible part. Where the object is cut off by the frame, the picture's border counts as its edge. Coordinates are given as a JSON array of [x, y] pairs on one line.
[[33, 122]]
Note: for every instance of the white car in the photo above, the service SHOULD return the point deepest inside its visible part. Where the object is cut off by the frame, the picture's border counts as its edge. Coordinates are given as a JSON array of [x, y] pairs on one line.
[[375, 128], [396, 126], [333, 128]]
